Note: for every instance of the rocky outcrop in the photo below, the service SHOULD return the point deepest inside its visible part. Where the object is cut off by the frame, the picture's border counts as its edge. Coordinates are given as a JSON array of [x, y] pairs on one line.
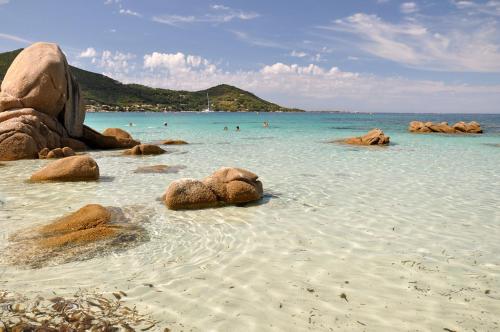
[[225, 186], [56, 153], [91, 230], [144, 150], [40, 107], [443, 127], [76, 168], [174, 142], [373, 137]]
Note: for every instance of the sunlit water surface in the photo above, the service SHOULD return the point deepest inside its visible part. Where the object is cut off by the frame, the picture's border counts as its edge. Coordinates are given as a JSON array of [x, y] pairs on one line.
[[408, 233]]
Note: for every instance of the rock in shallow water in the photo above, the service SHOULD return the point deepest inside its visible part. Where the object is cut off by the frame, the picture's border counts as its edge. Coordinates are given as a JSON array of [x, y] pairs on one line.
[[92, 230], [159, 169], [144, 150], [75, 168], [373, 137], [225, 186], [174, 142]]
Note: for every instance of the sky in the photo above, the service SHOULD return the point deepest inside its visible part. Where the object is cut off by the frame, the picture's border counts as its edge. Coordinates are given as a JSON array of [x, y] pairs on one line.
[[356, 55]]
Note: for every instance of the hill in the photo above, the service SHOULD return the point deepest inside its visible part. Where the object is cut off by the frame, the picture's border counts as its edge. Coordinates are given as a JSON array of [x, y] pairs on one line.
[[103, 93]]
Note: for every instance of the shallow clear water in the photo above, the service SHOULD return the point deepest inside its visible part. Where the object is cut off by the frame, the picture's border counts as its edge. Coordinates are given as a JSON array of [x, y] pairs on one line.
[[409, 233]]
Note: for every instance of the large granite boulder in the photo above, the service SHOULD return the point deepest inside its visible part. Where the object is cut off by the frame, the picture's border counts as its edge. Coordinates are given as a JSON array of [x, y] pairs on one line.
[[225, 186], [41, 107], [90, 231], [444, 128], [75, 168], [373, 137], [56, 153], [39, 78]]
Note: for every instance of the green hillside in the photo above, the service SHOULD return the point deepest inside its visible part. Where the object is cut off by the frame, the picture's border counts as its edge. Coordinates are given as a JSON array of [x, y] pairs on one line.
[[102, 92]]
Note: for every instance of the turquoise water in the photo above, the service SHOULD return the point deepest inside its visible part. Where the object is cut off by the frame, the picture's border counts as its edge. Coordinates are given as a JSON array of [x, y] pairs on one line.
[[409, 233]]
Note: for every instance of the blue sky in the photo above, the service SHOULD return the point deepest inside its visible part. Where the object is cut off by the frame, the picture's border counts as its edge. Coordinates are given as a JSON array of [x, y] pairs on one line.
[[371, 55]]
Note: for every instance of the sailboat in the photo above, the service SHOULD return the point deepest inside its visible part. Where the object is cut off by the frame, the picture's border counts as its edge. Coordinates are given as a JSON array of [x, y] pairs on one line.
[[208, 106]]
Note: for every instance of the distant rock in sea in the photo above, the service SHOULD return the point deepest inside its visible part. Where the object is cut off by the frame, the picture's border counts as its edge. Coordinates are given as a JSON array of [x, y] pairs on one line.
[[373, 137], [225, 186], [443, 127], [173, 142]]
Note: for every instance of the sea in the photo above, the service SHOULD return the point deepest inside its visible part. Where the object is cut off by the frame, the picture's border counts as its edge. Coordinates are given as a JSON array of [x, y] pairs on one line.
[[398, 238]]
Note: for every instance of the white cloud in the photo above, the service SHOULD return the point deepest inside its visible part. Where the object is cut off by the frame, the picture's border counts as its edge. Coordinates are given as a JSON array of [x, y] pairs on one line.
[[177, 63], [449, 45], [15, 38], [298, 54], [219, 14], [110, 2], [255, 41], [491, 7], [116, 62], [129, 12], [90, 52], [408, 7], [4, 2]]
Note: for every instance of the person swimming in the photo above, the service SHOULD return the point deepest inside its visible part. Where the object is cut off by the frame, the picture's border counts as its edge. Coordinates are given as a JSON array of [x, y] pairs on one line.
[[237, 128], [225, 128], [165, 124], [266, 124], [130, 124]]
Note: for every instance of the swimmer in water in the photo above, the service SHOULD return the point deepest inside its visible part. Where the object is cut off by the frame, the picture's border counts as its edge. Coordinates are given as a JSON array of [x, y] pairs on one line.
[[165, 124], [130, 124], [266, 124], [225, 128], [237, 128]]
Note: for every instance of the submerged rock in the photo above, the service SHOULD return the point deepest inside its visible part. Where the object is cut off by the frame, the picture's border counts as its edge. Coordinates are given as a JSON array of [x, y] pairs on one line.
[[373, 137], [159, 169], [144, 149], [75, 168], [174, 142], [91, 230], [443, 127], [225, 186]]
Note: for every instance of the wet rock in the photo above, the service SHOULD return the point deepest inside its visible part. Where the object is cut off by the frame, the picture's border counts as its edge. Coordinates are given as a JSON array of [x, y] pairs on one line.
[[159, 169], [443, 127], [75, 168], [174, 142], [373, 137], [225, 186], [91, 230], [144, 149]]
